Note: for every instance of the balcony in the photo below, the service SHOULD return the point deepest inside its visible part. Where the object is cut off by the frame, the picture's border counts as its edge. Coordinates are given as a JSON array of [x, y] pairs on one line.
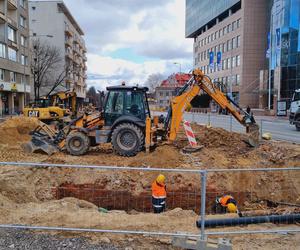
[[69, 55], [68, 43], [68, 31], [12, 44], [12, 22], [12, 4], [2, 17]]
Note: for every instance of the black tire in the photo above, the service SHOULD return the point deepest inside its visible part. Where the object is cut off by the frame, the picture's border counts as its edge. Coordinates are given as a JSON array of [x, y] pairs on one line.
[[297, 123], [77, 143], [127, 139]]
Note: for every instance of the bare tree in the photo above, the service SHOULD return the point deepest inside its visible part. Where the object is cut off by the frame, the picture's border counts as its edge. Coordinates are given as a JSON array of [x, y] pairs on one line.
[[153, 81], [46, 68]]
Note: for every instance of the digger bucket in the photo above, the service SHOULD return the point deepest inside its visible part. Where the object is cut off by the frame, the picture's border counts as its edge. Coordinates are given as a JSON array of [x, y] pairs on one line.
[[38, 145], [253, 135]]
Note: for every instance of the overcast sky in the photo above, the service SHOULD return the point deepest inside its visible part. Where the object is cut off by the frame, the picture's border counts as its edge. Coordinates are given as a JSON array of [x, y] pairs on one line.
[[127, 40]]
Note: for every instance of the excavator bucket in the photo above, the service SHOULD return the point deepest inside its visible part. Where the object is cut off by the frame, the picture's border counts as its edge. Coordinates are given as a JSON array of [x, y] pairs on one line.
[[253, 135], [42, 140]]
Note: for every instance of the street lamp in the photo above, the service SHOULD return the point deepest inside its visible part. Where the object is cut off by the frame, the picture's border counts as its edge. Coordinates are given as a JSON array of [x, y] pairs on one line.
[[24, 62], [177, 63]]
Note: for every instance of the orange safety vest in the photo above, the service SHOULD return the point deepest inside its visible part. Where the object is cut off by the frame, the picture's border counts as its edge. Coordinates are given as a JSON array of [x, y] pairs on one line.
[[223, 200], [159, 191]]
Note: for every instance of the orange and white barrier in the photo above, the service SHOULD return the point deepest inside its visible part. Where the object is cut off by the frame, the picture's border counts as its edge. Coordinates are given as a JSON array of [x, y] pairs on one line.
[[190, 134]]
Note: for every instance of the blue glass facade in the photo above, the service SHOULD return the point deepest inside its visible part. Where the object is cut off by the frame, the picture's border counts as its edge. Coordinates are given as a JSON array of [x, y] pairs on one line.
[[285, 44], [201, 12]]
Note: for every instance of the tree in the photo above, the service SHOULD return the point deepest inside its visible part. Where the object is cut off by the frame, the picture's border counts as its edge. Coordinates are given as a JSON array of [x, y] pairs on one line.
[[153, 81], [46, 68]]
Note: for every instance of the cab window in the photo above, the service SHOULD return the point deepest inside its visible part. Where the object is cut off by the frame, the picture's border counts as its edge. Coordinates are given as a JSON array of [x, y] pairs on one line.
[[134, 104], [115, 102]]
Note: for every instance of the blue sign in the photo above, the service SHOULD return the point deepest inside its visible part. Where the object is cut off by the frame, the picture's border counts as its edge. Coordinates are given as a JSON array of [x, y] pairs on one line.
[[219, 60], [211, 60]]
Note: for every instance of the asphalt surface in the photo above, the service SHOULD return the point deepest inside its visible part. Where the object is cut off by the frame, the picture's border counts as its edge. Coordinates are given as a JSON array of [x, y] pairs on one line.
[[26, 240], [280, 129]]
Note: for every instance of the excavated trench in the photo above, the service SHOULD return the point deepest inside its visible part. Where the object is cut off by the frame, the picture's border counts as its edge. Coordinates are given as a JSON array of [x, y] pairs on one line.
[[141, 202]]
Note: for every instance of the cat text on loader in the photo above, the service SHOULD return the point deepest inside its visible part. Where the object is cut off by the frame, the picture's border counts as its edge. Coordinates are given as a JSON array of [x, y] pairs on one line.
[[125, 121]]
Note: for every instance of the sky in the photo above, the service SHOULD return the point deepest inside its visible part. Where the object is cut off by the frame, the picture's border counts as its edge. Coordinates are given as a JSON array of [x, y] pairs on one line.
[[128, 40]]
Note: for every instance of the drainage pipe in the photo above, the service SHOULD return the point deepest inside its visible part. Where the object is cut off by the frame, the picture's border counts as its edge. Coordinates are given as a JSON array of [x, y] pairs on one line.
[[288, 218]]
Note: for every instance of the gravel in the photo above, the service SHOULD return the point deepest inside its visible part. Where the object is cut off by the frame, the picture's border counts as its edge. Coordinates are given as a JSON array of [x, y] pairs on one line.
[[23, 240]]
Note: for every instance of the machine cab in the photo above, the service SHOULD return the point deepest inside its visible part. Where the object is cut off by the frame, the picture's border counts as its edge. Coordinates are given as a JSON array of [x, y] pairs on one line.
[[295, 104], [126, 103]]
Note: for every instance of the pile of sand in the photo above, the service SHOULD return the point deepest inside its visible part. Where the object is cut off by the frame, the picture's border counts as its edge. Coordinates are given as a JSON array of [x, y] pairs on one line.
[[16, 130]]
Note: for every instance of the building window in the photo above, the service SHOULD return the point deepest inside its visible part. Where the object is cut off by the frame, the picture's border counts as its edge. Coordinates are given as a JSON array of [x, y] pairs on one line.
[[228, 63], [208, 39], [13, 77], [12, 54], [228, 28], [238, 23], [1, 74], [234, 25], [234, 43], [23, 3], [228, 45], [238, 79], [23, 41], [220, 33], [33, 7], [23, 21], [216, 35], [238, 41], [212, 37], [2, 50], [238, 60], [12, 34], [161, 94], [224, 31], [233, 62], [23, 60]]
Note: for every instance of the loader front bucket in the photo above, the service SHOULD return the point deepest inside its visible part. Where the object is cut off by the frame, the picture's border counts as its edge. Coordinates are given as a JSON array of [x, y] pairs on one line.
[[37, 145]]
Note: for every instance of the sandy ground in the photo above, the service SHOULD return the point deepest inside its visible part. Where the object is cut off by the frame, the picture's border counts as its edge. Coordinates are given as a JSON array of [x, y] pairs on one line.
[[27, 195]]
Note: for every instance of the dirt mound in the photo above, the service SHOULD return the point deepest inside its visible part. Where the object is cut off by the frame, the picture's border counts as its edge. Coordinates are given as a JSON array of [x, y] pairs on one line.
[[16, 130]]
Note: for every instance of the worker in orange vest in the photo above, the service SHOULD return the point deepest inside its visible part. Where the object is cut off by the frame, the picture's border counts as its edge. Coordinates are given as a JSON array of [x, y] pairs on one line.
[[159, 194], [225, 204]]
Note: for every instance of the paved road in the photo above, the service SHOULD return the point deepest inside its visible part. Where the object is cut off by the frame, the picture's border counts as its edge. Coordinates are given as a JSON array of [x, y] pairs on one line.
[[279, 128]]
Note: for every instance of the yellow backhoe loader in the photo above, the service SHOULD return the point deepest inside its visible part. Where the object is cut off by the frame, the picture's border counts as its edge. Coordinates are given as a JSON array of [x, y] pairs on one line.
[[126, 123], [53, 107]]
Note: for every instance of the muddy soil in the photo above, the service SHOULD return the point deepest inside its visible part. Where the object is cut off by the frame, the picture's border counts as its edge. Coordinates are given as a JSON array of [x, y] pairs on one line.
[[42, 196]]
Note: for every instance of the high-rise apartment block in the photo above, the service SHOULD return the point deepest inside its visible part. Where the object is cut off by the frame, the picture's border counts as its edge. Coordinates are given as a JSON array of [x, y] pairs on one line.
[[52, 18], [14, 55], [230, 43]]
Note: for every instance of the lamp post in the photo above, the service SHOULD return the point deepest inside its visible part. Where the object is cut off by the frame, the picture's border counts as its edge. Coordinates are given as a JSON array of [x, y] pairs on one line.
[[24, 62], [177, 63]]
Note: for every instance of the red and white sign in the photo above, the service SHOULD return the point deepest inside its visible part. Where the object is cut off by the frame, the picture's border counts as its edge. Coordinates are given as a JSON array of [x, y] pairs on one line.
[[190, 134]]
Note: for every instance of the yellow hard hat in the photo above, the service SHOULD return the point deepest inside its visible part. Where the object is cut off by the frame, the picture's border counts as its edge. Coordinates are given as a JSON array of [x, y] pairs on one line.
[[231, 208], [160, 179]]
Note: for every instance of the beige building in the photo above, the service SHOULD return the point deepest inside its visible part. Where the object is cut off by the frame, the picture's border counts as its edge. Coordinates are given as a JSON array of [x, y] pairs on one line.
[[14, 69], [53, 18], [230, 43]]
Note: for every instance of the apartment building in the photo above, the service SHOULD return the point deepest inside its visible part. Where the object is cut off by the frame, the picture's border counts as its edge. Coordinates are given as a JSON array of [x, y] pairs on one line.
[[230, 44], [52, 18], [14, 54]]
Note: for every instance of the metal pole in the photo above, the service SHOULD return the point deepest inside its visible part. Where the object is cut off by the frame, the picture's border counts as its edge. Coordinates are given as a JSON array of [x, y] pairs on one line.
[[261, 128], [203, 200], [230, 122]]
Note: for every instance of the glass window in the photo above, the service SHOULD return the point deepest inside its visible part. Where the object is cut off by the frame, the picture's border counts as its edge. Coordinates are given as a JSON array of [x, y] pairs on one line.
[[115, 102], [228, 63], [216, 35], [224, 31], [234, 25], [2, 50], [212, 37], [208, 39], [1, 74], [23, 40], [228, 28], [220, 33], [134, 103], [233, 62], [12, 54], [238, 41], [23, 21], [13, 77], [234, 43], [238, 23], [238, 79], [23, 60], [238, 60], [228, 45], [12, 34]]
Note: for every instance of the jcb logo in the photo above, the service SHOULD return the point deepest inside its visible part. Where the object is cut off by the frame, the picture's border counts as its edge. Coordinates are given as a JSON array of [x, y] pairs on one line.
[[33, 113]]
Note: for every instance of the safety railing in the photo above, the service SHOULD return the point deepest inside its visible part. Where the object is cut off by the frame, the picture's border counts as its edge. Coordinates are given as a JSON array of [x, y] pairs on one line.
[[129, 189]]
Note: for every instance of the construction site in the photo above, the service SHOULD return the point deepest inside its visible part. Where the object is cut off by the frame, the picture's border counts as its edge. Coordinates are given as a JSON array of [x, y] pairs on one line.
[[105, 199]]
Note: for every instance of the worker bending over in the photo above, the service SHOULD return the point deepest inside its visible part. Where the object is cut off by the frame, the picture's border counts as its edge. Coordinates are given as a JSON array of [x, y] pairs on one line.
[[225, 204], [159, 194]]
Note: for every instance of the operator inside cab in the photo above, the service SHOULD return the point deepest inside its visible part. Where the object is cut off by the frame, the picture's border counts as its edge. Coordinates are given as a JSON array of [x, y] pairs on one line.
[[159, 194], [226, 204]]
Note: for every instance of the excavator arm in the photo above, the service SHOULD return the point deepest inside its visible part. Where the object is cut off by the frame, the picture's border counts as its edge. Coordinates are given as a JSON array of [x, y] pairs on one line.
[[192, 88]]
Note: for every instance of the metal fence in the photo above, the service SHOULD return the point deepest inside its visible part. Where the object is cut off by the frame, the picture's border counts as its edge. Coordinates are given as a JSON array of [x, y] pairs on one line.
[[190, 189]]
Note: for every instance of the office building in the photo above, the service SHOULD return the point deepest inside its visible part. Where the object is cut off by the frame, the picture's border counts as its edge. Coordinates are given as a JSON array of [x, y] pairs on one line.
[[229, 43], [284, 51], [53, 18], [14, 54]]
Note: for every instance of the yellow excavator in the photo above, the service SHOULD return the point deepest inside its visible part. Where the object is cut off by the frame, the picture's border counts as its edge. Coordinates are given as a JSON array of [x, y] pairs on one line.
[[53, 107], [126, 123]]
